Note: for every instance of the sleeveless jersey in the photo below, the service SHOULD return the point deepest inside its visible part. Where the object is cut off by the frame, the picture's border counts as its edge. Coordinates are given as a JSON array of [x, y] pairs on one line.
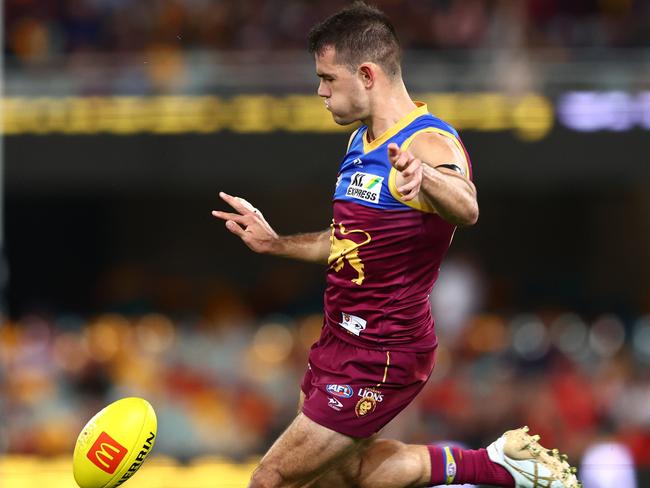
[[385, 253]]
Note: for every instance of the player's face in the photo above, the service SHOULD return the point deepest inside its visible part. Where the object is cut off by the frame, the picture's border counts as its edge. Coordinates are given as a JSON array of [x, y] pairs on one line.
[[342, 90]]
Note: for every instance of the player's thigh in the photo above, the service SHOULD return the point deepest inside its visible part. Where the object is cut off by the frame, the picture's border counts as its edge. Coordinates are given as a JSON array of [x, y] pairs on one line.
[[301, 454]]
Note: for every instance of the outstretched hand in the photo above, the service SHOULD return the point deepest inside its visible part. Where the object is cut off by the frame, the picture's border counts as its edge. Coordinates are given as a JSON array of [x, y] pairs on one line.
[[409, 171], [248, 223]]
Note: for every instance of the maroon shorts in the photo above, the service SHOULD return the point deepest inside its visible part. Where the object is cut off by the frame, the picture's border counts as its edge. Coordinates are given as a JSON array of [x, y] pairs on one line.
[[357, 391]]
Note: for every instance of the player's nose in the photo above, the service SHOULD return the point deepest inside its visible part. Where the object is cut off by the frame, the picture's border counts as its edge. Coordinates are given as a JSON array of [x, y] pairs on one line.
[[323, 91]]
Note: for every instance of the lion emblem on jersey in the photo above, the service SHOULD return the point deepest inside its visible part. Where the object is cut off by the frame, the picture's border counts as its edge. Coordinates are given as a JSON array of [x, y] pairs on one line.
[[342, 250]]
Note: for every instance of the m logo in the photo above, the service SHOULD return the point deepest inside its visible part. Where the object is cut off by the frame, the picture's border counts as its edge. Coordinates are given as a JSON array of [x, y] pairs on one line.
[[106, 453]]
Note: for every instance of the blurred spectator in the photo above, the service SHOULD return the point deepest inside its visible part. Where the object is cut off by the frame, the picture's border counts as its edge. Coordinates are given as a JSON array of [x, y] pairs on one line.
[[228, 384], [37, 30], [94, 47], [459, 294], [226, 381], [608, 464]]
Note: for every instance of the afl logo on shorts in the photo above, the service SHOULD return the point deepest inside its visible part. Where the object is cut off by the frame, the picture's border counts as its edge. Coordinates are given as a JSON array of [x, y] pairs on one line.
[[365, 406], [343, 391]]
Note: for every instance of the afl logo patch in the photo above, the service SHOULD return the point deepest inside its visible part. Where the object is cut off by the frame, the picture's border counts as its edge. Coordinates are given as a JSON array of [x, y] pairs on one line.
[[365, 406], [343, 391]]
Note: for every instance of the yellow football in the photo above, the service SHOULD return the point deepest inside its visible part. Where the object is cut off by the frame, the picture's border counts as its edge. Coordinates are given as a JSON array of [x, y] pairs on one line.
[[114, 443]]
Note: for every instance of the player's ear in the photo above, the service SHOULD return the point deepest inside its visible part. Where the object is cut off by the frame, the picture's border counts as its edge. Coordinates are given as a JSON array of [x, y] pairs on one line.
[[367, 73]]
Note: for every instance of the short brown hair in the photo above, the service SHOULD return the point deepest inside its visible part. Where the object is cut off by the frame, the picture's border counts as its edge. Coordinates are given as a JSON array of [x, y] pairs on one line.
[[359, 33]]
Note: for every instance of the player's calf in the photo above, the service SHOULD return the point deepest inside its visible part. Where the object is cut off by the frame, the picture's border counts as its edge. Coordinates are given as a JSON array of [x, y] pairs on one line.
[[382, 463], [388, 463]]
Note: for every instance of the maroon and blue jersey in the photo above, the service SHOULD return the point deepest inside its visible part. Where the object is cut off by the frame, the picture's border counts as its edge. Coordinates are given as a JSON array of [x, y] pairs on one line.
[[385, 253]]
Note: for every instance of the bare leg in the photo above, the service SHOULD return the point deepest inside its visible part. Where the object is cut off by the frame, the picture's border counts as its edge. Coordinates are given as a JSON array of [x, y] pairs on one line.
[[308, 454], [302, 454], [382, 463]]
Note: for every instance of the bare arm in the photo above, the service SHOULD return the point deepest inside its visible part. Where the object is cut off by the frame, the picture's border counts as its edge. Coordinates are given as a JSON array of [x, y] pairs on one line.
[[251, 226], [451, 194], [313, 246]]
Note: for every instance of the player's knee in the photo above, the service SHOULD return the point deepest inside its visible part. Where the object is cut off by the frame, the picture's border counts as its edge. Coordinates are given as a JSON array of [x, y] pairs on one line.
[[265, 476]]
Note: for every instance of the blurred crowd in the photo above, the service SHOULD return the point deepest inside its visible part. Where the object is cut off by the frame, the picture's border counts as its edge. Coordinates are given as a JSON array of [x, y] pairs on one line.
[[225, 381], [42, 29], [229, 386]]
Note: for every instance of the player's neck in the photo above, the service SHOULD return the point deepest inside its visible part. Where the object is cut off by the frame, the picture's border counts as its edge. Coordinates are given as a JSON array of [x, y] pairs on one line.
[[388, 108]]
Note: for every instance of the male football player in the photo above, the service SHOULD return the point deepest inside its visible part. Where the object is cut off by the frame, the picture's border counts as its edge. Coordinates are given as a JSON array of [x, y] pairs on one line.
[[403, 187]]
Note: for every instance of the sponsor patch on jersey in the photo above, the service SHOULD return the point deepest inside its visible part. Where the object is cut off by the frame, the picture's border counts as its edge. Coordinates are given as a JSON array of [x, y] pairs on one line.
[[364, 186], [352, 323], [343, 391], [335, 404]]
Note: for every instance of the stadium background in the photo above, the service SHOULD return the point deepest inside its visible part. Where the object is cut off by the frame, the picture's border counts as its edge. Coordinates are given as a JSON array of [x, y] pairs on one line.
[[122, 121]]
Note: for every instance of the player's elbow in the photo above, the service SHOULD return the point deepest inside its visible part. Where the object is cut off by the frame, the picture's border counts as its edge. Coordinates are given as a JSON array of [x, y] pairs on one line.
[[465, 208], [472, 214], [468, 215]]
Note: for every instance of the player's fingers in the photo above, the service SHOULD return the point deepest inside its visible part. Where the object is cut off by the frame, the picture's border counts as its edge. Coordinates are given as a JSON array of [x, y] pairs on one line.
[[412, 167], [229, 216], [235, 228], [409, 196], [393, 152], [408, 187], [247, 205], [396, 160], [410, 191], [403, 161], [239, 204]]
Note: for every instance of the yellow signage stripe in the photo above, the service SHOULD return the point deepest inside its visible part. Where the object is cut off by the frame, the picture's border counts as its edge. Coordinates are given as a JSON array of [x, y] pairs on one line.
[[530, 116]]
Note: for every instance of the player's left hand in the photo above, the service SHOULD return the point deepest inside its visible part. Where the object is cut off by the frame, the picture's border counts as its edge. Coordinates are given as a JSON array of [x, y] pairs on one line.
[[410, 169], [249, 224]]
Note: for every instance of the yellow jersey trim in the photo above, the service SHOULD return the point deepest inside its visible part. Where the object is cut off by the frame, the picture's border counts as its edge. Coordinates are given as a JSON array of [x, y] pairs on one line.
[[407, 143], [351, 139], [401, 124], [418, 204], [383, 380], [421, 204]]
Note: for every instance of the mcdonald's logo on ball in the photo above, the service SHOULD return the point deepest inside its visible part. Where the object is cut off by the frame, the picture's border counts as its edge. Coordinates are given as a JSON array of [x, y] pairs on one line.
[[106, 453]]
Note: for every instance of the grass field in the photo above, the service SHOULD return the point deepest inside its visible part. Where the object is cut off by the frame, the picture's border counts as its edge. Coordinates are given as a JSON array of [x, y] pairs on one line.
[[157, 472]]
